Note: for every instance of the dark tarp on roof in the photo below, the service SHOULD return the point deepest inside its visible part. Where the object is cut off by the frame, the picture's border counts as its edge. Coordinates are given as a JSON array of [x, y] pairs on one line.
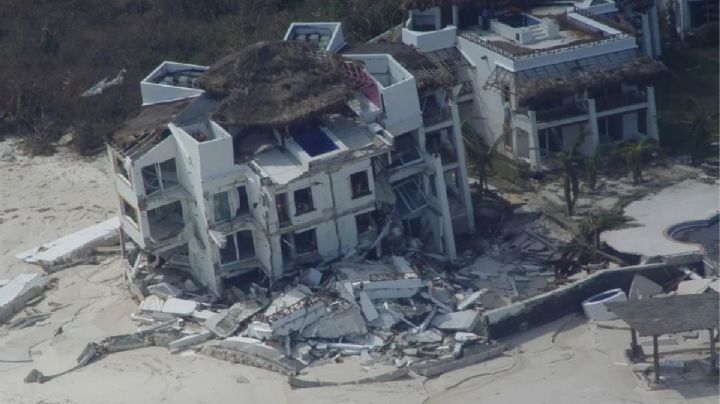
[[429, 71], [146, 126], [666, 315], [274, 84]]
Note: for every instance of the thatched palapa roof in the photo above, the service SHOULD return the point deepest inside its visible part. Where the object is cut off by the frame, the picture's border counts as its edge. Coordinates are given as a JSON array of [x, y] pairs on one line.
[[275, 84], [492, 4], [146, 127], [429, 72]]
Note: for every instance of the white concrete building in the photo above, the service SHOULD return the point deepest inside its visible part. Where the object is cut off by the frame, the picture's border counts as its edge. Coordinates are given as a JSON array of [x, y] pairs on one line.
[[543, 79], [223, 200]]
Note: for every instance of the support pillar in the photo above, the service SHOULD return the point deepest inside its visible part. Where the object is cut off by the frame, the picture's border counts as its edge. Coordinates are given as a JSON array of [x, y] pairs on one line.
[[594, 134], [534, 143], [464, 183], [448, 235], [656, 359], [634, 347], [713, 354], [455, 15], [651, 115], [647, 34]]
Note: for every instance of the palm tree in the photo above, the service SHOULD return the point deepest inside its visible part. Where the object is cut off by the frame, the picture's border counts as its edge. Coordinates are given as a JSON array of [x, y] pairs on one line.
[[571, 181], [635, 153], [700, 121], [480, 153]]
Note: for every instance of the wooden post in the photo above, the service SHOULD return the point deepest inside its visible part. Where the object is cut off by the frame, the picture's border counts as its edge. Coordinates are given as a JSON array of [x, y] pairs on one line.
[[713, 354], [656, 359]]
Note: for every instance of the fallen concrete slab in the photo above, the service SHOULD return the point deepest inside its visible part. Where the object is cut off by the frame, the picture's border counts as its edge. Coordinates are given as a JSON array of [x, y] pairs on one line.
[[190, 340], [298, 383], [15, 356], [18, 292], [471, 356], [75, 246], [343, 321], [225, 323], [252, 354], [465, 320]]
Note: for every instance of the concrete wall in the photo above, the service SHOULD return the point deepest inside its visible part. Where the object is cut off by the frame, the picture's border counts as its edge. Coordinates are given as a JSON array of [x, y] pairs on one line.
[[153, 93], [432, 40]]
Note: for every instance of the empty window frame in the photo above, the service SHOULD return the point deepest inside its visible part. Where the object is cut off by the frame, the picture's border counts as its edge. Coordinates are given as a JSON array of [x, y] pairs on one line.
[[238, 246], [281, 205], [305, 242], [360, 184], [365, 223], [303, 201], [221, 203], [120, 169], [158, 177], [129, 212], [243, 202]]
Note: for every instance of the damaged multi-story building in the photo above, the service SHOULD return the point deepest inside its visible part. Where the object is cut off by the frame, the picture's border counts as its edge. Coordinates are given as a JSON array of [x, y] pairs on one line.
[[540, 80], [287, 154]]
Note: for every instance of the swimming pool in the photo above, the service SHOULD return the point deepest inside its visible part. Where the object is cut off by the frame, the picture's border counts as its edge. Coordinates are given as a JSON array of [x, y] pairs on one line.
[[313, 140]]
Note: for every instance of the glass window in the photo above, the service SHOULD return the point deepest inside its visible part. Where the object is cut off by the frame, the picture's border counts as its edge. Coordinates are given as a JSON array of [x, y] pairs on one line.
[[359, 184]]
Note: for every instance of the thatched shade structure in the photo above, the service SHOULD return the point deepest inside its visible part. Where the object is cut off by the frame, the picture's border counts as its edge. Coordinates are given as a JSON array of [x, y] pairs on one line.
[[408, 5], [275, 84]]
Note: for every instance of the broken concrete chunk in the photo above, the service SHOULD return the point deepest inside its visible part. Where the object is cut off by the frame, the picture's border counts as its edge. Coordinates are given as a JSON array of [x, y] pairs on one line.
[[151, 304], [343, 321], [179, 307], [470, 300], [74, 246], [253, 354], [225, 323], [15, 356], [18, 292], [431, 336], [164, 290], [643, 288], [312, 277], [368, 308], [190, 340], [259, 330], [694, 286], [457, 321]]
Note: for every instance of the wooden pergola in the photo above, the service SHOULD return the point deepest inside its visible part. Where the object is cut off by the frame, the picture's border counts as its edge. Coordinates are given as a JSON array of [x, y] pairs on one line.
[[667, 315]]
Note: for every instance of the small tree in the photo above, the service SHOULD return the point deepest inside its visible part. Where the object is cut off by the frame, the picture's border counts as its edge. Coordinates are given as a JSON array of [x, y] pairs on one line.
[[592, 165], [700, 121], [571, 179], [634, 154]]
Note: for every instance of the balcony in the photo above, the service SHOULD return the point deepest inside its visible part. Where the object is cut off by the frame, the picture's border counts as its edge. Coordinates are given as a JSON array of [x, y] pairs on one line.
[[435, 115], [561, 112], [614, 101], [166, 223]]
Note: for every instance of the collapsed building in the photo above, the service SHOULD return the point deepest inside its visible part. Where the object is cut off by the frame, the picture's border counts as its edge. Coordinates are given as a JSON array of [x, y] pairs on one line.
[[285, 154]]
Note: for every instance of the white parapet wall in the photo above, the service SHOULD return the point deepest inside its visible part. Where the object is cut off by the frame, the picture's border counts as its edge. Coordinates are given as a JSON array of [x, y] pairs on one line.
[[427, 41]]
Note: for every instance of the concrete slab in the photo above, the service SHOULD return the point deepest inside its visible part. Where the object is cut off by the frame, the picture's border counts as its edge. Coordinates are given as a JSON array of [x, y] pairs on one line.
[[179, 307], [465, 320], [694, 286], [341, 322], [643, 288], [73, 246], [18, 292], [368, 308], [683, 202], [15, 356]]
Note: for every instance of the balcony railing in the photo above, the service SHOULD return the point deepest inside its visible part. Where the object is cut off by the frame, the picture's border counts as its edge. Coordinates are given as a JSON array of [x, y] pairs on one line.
[[434, 115], [557, 113], [619, 100]]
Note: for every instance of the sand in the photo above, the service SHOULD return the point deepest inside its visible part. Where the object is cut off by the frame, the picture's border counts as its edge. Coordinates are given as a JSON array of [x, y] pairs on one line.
[[42, 198]]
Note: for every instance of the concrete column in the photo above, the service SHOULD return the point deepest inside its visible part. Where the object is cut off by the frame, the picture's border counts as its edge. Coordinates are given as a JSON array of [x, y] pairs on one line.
[[656, 359], [647, 34], [462, 164], [713, 354], [438, 17], [655, 27], [534, 143], [594, 135], [456, 15], [448, 235], [651, 115], [683, 17]]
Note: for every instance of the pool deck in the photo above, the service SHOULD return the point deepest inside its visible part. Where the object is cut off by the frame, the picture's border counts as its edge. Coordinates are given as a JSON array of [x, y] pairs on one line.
[[654, 214]]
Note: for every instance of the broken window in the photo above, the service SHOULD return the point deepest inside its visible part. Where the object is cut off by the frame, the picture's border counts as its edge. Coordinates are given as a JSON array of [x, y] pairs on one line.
[[505, 94], [238, 246], [243, 203], [159, 176], [221, 201], [360, 184], [365, 223], [303, 201], [281, 205], [120, 169], [305, 242], [166, 221], [410, 198], [404, 151], [130, 213]]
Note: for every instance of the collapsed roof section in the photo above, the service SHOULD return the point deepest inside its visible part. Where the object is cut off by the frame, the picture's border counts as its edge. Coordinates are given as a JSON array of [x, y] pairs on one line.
[[535, 85], [275, 84], [147, 128]]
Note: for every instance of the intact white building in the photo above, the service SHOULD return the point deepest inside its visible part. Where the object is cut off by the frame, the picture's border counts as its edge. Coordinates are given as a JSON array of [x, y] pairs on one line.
[[222, 201], [543, 80]]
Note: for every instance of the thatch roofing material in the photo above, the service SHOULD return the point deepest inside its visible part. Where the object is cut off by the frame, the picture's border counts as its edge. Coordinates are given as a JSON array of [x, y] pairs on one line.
[[425, 4], [429, 71], [536, 85], [146, 126], [667, 315], [275, 84]]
